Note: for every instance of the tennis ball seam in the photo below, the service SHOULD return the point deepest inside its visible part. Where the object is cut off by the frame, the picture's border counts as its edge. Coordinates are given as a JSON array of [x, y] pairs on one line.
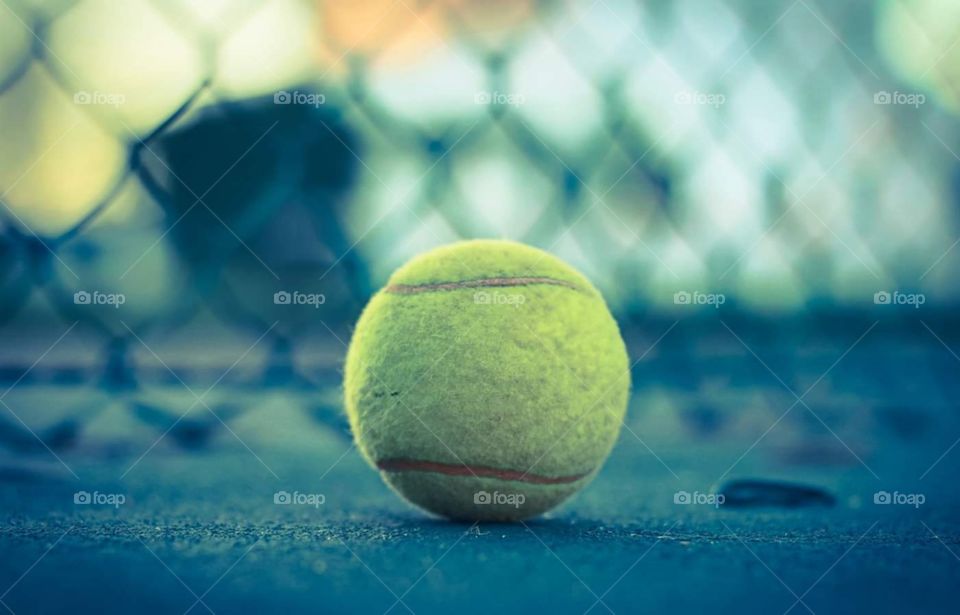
[[413, 289], [477, 471]]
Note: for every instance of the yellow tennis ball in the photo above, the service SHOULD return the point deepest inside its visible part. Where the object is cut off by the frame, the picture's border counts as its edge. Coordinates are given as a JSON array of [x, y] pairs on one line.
[[486, 381]]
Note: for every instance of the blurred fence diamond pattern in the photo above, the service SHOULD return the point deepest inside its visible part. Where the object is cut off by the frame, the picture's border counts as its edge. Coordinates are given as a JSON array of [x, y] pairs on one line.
[[178, 179]]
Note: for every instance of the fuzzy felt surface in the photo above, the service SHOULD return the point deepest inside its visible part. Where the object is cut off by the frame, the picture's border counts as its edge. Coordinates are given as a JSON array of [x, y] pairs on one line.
[[526, 374]]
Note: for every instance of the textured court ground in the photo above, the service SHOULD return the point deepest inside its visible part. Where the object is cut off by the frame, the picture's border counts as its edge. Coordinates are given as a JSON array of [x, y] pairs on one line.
[[202, 523]]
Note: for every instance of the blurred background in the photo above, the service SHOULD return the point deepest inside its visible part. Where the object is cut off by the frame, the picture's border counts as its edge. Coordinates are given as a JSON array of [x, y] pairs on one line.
[[204, 195]]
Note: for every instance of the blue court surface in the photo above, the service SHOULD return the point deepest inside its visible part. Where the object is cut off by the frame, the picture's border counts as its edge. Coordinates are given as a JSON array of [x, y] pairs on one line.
[[198, 528]]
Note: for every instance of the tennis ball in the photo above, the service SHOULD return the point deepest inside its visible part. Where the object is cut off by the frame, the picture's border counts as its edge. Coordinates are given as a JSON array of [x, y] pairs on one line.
[[486, 381]]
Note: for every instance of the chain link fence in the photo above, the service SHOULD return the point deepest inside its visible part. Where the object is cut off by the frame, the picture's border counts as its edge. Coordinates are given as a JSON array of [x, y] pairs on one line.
[[199, 194]]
